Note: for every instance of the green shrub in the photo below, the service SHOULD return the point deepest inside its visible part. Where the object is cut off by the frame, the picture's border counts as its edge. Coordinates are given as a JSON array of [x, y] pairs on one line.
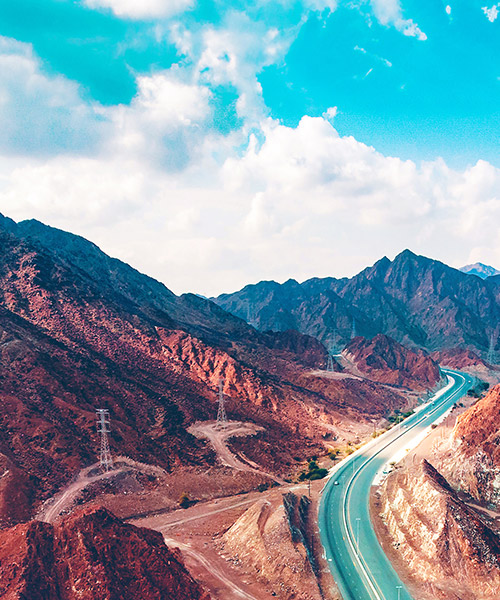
[[184, 500], [318, 474]]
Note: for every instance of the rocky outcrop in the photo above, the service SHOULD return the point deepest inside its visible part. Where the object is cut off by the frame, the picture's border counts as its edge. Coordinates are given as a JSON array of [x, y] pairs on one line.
[[415, 300], [91, 555], [450, 551], [385, 360], [472, 463], [270, 544], [459, 358]]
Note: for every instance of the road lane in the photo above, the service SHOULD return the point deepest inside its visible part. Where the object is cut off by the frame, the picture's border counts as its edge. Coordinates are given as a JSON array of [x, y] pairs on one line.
[[358, 563]]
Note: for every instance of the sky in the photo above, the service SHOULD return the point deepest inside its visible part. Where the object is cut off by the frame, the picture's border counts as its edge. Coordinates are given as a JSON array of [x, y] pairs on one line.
[[214, 144]]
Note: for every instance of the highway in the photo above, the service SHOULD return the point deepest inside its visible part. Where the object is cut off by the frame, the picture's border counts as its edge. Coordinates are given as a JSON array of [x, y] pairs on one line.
[[359, 566]]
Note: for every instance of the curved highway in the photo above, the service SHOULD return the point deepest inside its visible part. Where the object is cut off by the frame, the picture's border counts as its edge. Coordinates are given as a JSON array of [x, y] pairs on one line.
[[359, 566]]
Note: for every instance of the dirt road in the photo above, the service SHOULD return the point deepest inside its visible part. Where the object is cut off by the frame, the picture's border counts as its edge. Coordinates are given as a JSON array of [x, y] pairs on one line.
[[218, 436]]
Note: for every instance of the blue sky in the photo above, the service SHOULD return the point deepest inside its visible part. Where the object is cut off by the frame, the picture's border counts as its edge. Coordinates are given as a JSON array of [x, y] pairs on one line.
[[181, 125]]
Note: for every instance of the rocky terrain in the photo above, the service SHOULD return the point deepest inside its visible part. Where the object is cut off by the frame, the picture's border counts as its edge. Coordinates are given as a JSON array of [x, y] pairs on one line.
[[449, 550], [460, 358], [415, 300], [385, 360], [470, 459], [80, 331], [272, 544], [468, 361], [91, 555]]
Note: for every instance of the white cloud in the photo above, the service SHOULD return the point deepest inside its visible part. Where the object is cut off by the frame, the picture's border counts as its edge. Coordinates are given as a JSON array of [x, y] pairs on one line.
[[305, 202], [167, 122], [389, 12], [491, 13], [320, 5], [448, 9], [39, 113], [208, 213], [331, 113], [143, 9], [234, 53]]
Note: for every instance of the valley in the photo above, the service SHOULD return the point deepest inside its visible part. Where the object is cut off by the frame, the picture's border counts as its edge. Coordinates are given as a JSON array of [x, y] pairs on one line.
[[235, 502]]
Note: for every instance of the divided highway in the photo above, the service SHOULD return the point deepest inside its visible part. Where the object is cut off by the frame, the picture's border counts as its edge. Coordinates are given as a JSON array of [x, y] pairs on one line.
[[359, 566]]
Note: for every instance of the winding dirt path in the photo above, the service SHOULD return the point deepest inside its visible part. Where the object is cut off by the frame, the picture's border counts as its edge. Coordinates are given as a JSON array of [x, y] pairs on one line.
[[218, 437], [66, 498], [211, 569]]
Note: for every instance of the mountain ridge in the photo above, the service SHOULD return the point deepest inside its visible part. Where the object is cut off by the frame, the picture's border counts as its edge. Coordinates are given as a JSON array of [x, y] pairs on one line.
[[480, 269], [414, 299]]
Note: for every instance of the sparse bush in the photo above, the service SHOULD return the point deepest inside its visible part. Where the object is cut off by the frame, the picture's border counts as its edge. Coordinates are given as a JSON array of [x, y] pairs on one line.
[[318, 474], [184, 500], [333, 453]]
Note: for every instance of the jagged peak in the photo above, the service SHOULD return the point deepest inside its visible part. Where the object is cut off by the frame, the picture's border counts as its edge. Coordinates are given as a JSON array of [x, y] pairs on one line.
[[7, 223]]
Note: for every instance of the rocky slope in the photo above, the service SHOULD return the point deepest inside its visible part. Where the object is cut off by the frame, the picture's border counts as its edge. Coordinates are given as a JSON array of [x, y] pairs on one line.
[[272, 546], [385, 360], [91, 555], [415, 300], [80, 331], [450, 551], [471, 460], [460, 358]]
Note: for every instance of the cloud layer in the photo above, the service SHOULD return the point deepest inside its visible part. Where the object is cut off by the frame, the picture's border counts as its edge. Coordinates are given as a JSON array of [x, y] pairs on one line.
[[208, 194]]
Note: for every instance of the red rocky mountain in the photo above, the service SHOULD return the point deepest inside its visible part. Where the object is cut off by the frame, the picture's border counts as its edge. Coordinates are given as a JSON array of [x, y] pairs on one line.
[[460, 358], [80, 330], [473, 463], [385, 360], [91, 555], [450, 551]]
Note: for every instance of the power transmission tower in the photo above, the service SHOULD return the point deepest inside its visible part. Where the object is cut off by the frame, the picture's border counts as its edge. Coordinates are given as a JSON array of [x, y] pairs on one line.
[[221, 413], [331, 354], [251, 315], [491, 351], [103, 428]]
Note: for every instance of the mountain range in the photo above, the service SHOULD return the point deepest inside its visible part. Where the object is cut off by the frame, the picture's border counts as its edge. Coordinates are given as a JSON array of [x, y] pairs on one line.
[[480, 269], [416, 300], [80, 330]]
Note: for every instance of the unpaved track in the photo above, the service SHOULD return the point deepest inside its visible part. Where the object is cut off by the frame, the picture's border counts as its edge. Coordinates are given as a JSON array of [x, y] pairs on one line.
[[65, 499], [210, 568], [218, 437], [203, 515]]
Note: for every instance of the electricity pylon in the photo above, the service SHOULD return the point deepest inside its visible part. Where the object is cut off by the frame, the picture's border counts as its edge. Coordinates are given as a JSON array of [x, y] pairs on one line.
[[331, 353], [491, 351], [106, 461], [221, 413]]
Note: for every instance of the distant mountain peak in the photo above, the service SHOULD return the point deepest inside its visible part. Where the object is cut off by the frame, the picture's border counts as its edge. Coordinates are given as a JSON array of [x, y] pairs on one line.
[[480, 269], [406, 253]]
